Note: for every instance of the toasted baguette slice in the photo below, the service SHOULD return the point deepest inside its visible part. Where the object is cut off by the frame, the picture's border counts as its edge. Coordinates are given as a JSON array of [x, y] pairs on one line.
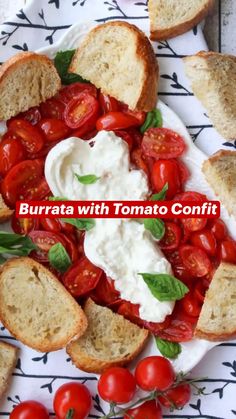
[[110, 340], [8, 359], [5, 212], [36, 308], [213, 79], [118, 58], [217, 321], [170, 18], [220, 173], [26, 80]]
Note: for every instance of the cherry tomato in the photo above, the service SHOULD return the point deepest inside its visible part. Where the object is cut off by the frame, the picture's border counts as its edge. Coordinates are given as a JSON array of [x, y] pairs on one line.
[[114, 121], [25, 181], [31, 137], [227, 251], [190, 196], [24, 225], [194, 224], [204, 239], [179, 330], [178, 267], [29, 410], [166, 171], [162, 143], [130, 312], [195, 260], [71, 247], [179, 396], [172, 237], [117, 385], [11, 152], [33, 116], [140, 116], [138, 160], [184, 172], [52, 108], [82, 277], [73, 91], [219, 229], [51, 224], [148, 410], [154, 373], [108, 103], [74, 396], [44, 152], [200, 290], [44, 240], [105, 292], [126, 137], [54, 129], [136, 135], [191, 306], [81, 111]]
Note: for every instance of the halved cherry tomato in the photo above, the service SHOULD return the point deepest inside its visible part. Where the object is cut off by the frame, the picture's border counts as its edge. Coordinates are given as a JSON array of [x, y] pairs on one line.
[[52, 108], [33, 116], [82, 277], [204, 239], [166, 171], [219, 229], [178, 267], [105, 292], [140, 116], [192, 224], [138, 160], [172, 237], [178, 396], [130, 312], [84, 109], [149, 410], [162, 143], [24, 225], [44, 241], [200, 290], [67, 228], [108, 103], [11, 152], [51, 224], [31, 137], [71, 247], [177, 331], [54, 129], [191, 305], [44, 152], [126, 137], [73, 91], [25, 181], [114, 121], [136, 135], [184, 172], [195, 260], [227, 251]]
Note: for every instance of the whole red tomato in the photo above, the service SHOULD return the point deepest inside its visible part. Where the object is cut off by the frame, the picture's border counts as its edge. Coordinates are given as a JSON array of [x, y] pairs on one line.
[[179, 396], [117, 385], [154, 373], [73, 396], [29, 410], [149, 410]]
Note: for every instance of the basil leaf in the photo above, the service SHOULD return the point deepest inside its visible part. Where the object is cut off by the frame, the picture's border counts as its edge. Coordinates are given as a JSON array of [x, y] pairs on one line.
[[155, 226], [57, 198], [62, 62], [15, 244], [59, 258], [81, 223], [165, 287], [160, 196], [168, 349], [153, 120], [87, 179]]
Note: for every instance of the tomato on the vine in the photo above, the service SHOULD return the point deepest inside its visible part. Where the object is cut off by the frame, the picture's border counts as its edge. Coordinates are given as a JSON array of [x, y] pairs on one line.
[[178, 396], [29, 410], [72, 396], [117, 385], [148, 410], [154, 373]]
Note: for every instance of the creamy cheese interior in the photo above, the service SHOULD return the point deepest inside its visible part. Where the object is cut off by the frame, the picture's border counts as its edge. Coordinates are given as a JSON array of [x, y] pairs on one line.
[[122, 248]]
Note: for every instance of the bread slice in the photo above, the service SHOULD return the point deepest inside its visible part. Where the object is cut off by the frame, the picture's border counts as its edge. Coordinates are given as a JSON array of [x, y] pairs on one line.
[[220, 173], [170, 18], [8, 359], [118, 58], [217, 321], [5, 212], [36, 308], [26, 80], [213, 79], [110, 340]]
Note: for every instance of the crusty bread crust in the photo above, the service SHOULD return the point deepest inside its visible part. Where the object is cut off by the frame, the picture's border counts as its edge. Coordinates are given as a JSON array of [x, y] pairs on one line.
[[144, 52], [45, 345], [208, 54], [6, 347], [172, 32], [5, 212], [97, 366]]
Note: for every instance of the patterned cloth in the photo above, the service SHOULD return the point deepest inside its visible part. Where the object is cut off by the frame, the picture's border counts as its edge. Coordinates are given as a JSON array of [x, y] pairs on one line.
[[41, 23]]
